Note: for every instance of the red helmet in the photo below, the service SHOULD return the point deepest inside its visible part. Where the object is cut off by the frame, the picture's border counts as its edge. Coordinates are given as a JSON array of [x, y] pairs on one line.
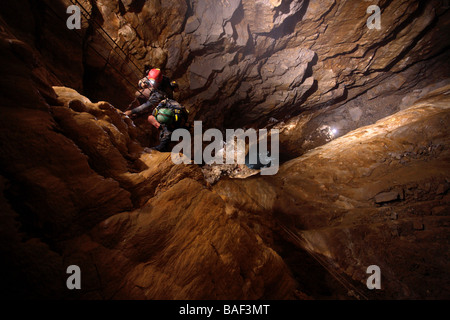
[[156, 75]]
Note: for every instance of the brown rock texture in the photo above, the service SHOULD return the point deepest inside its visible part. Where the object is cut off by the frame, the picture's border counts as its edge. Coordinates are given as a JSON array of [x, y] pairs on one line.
[[178, 246], [241, 63], [364, 140], [79, 190], [372, 197]]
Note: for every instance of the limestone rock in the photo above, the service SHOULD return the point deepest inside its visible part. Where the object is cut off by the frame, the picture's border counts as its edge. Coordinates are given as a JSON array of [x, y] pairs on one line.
[[183, 247], [264, 16], [82, 182], [386, 197], [363, 115], [350, 60], [324, 200]]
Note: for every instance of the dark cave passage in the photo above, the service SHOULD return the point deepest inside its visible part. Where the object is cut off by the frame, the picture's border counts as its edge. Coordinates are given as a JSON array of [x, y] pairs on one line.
[[360, 119]]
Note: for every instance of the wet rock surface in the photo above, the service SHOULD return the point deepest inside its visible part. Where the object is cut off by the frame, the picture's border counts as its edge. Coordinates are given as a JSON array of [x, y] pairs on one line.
[[240, 63], [363, 119], [78, 189], [381, 188]]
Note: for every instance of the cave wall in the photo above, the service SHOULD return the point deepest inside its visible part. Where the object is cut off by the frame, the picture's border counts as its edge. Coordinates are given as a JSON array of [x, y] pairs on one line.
[[76, 188], [42, 26], [375, 196], [243, 63]]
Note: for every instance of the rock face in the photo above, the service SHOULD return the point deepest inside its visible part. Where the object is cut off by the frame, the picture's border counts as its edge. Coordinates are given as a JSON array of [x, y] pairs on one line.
[[363, 117], [372, 197], [241, 63], [77, 189]]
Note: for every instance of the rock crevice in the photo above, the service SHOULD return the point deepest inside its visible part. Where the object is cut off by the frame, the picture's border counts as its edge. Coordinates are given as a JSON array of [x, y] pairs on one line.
[[363, 117]]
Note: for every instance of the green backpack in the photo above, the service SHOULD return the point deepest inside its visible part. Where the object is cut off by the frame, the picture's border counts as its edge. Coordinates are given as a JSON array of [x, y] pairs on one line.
[[165, 116], [170, 112]]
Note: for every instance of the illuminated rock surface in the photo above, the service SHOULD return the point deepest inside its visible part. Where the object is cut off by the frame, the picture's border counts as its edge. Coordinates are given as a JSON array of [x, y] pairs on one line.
[[363, 117]]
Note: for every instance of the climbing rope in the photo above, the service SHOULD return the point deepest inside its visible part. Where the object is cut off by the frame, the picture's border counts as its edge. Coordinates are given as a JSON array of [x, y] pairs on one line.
[[292, 235], [352, 290], [89, 17], [63, 20]]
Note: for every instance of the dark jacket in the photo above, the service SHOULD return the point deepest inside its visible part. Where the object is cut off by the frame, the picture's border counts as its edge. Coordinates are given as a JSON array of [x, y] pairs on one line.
[[165, 90]]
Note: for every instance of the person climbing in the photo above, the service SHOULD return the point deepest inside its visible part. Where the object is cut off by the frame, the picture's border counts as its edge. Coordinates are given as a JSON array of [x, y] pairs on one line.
[[168, 116], [155, 87]]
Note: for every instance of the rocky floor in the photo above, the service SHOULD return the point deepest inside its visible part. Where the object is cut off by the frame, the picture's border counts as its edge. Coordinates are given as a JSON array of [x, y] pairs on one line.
[[364, 138], [378, 195]]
